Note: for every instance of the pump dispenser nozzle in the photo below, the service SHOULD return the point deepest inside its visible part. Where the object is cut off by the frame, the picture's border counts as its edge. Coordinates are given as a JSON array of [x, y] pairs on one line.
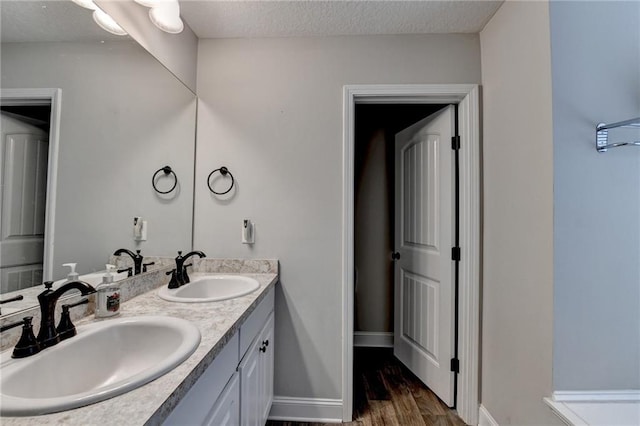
[[108, 277], [73, 275]]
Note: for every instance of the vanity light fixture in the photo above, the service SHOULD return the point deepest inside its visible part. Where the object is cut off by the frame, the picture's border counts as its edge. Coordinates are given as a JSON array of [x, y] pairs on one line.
[[165, 14], [101, 18], [107, 23]]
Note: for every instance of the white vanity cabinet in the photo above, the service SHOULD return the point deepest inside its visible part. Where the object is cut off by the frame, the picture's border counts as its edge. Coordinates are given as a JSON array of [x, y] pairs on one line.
[[237, 388]]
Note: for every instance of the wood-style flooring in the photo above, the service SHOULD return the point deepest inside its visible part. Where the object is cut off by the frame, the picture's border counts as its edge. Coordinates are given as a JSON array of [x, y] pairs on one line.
[[387, 394]]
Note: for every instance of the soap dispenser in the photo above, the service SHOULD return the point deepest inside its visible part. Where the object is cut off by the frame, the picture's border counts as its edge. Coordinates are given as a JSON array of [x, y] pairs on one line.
[[73, 275], [108, 296]]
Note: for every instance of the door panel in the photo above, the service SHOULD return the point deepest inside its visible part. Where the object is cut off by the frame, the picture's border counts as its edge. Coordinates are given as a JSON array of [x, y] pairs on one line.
[[423, 288], [250, 387], [226, 411], [23, 179]]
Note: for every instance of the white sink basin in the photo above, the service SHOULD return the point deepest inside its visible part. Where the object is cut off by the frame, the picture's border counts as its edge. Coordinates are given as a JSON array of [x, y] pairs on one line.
[[210, 288], [105, 359]]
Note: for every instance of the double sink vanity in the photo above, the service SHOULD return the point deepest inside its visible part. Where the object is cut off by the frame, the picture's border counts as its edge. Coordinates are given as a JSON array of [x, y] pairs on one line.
[[201, 353]]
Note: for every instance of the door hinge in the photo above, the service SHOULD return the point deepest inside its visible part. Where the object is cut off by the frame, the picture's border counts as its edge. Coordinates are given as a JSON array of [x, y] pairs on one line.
[[455, 365], [455, 253], [455, 143]]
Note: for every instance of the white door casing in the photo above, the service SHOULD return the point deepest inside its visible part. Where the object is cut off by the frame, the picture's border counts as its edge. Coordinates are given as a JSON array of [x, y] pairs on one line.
[[52, 97], [423, 275], [467, 98]]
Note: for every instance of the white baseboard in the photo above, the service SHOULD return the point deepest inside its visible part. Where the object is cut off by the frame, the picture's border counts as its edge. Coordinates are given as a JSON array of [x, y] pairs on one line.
[[372, 339], [582, 408], [319, 410], [485, 418], [597, 396]]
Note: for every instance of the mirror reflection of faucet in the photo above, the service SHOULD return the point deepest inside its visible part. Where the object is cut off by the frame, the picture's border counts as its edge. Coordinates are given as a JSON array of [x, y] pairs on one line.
[[13, 299], [136, 257]]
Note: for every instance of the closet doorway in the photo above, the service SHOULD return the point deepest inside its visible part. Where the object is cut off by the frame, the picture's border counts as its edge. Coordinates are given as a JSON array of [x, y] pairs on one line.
[[424, 99]]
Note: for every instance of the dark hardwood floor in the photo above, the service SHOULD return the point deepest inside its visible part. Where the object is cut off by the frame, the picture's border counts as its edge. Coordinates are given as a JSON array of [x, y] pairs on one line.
[[387, 394]]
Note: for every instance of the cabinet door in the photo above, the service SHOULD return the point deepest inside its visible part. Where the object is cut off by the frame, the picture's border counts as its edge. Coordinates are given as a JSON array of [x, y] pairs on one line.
[[251, 386], [196, 405], [226, 411], [266, 367]]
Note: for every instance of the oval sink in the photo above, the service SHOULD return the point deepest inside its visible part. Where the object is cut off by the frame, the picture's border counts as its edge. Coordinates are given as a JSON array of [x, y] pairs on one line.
[[105, 359], [210, 288]]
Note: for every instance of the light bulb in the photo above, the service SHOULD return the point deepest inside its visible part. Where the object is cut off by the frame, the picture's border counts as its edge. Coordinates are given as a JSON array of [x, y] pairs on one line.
[[107, 23], [166, 16], [87, 4], [147, 3]]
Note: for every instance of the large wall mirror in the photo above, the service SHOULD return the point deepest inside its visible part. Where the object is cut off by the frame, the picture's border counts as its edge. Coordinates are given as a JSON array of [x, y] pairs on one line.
[[121, 117]]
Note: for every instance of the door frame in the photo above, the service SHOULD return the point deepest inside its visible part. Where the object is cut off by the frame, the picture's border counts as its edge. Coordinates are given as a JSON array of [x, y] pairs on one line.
[[52, 97], [467, 97]]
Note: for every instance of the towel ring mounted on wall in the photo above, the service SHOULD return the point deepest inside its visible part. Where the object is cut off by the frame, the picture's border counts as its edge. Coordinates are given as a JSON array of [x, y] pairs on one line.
[[224, 172], [167, 171]]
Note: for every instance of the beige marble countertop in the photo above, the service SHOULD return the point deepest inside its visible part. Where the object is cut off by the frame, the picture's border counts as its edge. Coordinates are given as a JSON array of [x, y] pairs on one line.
[[152, 403]]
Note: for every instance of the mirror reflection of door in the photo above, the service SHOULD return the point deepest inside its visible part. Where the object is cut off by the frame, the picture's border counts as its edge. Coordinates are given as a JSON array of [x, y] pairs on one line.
[[23, 183]]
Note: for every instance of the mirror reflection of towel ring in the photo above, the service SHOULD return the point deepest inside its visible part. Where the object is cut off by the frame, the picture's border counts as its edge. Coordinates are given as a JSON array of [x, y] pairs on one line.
[[223, 171], [167, 171]]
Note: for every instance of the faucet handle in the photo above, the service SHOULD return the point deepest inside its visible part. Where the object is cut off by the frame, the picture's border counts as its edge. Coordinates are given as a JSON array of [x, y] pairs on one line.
[[173, 283], [48, 285], [13, 299], [145, 265], [65, 327], [27, 345], [185, 276], [128, 270]]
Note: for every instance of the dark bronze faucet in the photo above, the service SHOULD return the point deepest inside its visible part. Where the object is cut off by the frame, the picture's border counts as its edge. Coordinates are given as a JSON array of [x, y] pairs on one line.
[[48, 336], [181, 270], [137, 259]]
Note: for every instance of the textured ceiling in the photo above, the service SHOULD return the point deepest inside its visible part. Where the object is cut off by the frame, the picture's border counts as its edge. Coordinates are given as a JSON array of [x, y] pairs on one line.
[[229, 19], [55, 20], [49, 20]]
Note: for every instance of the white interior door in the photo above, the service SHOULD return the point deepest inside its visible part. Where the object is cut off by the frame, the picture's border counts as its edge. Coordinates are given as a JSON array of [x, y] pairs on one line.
[[423, 283], [23, 178]]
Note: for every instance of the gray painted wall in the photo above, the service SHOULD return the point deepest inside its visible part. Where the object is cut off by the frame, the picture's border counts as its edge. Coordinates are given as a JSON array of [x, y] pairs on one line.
[[123, 117], [596, 78], [517, 323], [271, 110], [373, 235]]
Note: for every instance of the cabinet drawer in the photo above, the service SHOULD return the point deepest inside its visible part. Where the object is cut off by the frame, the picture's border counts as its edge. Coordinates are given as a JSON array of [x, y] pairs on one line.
[[252, 326]]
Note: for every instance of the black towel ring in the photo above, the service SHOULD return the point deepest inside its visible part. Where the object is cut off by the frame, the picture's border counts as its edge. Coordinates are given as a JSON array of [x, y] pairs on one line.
[[167, 170], [223, 171]]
